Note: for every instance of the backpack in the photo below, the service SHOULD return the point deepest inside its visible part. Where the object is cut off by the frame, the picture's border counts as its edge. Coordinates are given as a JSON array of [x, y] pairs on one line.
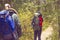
[[35, 23], [6, 24]]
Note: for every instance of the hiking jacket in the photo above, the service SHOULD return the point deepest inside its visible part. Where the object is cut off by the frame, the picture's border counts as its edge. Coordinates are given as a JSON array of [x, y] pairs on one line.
[[17, 24], [15, 18], [40, 21]]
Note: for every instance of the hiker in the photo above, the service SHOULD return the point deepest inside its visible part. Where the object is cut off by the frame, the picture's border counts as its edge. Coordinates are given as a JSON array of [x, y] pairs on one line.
[[17, 28], [37, 25], [7, 26]]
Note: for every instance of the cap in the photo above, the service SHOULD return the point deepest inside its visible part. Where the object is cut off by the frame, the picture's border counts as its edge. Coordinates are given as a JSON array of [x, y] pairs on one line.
[[36, 13]]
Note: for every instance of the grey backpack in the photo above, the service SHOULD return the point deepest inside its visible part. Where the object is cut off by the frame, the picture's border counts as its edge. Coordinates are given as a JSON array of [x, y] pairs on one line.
[[35, 23]]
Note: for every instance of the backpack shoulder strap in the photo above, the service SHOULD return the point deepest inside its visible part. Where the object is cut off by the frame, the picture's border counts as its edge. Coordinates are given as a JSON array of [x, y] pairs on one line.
[[13, 10]]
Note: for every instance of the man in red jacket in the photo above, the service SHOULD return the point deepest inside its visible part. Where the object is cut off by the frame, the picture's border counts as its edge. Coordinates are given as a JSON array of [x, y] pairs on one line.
[[37, 25]]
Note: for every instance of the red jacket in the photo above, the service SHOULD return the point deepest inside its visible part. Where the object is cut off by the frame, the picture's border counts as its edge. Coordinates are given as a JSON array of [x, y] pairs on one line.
[[40, 20]]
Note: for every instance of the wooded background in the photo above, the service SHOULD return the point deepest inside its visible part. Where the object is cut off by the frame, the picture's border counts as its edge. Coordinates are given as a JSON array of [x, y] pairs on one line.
[[50, 10]]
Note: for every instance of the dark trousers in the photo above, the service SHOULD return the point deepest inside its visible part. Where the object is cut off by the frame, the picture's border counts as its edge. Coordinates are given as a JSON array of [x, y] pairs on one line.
[[37, 33]]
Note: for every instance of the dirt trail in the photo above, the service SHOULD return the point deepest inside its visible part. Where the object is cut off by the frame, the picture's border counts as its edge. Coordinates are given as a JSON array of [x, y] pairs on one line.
[[45, 34], [48, 32]]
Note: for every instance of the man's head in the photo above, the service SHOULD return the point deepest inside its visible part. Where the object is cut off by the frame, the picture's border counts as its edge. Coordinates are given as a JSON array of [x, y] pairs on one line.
[[7, 6]]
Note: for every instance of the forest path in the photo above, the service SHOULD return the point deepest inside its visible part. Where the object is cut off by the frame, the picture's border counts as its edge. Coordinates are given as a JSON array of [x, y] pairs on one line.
[[45, 34]]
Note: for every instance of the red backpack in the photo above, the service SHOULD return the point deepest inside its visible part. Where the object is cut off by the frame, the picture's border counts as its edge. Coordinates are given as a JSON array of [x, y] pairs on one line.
[[40, 21]]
